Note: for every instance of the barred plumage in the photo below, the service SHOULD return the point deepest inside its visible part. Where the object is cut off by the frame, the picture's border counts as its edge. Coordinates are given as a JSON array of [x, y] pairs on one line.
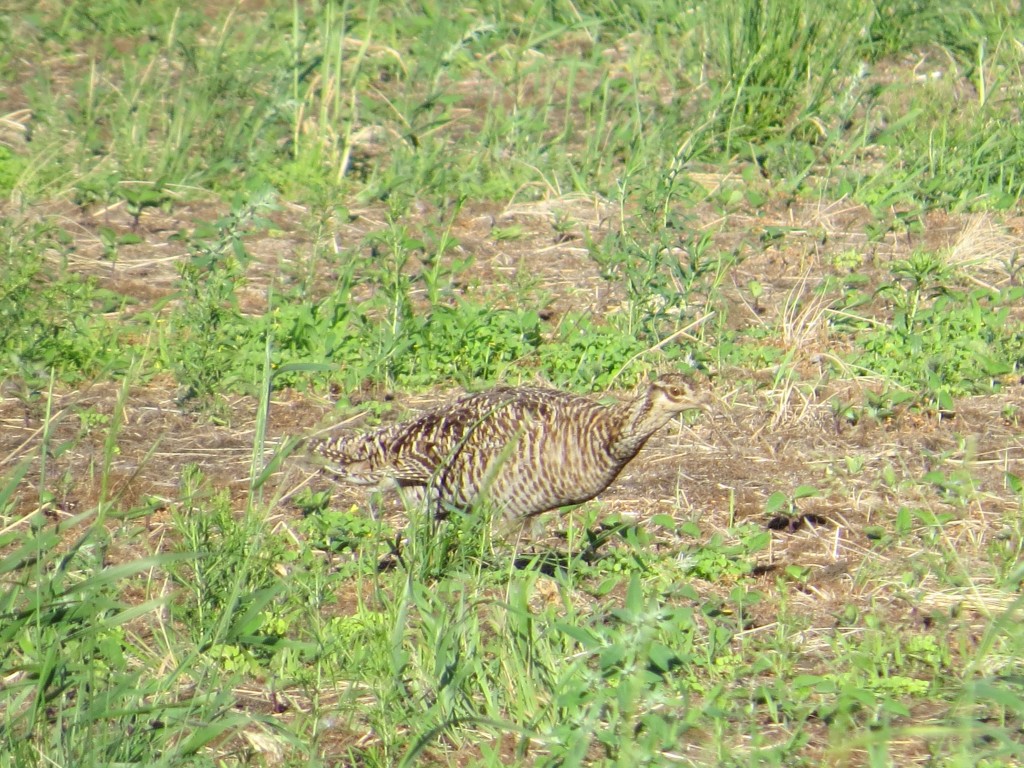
[[524, 450]]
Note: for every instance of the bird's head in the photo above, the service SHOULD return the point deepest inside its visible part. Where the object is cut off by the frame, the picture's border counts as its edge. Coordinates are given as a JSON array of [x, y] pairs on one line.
[[673, 393]]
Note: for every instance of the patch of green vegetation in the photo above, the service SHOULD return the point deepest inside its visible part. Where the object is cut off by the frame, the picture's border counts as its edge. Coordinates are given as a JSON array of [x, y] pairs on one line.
[[311, 102], [208, 343], [943, 341], [752, 348], [78, 660], [588, 353], [779, 66], [967, 163], [898, 26], [49, 318], [334, 530], [391, 334], [72, 650], [230, 574], [11, 168], [114, 19], [667, 274], [725, 556]]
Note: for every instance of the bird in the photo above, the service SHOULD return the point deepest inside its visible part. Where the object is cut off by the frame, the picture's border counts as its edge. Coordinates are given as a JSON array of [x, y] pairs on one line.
[[522, 450]]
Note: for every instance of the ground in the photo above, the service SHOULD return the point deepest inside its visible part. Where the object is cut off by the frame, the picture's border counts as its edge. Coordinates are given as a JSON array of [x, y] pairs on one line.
[[821, 569], [717, 470]]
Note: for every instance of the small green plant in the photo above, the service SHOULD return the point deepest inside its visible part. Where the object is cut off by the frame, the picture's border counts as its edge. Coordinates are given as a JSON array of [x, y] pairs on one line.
[[875, 406], [782, 503], [725, 557], [919, 278], [848, 261], [943, 341], [49, 318], [231, 575], [209, 343], [111, 241], [663, 279], [11, 168], [90, 420], [338, 531]]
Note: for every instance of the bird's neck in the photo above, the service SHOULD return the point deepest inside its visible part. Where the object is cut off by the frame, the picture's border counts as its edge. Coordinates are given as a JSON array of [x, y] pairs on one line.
[[637, 420]]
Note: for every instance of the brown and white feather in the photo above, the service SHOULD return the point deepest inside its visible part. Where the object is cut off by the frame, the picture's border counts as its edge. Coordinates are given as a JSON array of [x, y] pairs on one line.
[[524, 450]]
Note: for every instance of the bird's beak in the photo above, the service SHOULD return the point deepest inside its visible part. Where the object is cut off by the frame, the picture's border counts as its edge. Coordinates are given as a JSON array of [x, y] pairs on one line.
[[699, 403]]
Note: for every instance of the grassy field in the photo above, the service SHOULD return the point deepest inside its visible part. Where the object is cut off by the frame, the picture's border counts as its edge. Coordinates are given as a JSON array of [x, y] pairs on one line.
[[227, 225]]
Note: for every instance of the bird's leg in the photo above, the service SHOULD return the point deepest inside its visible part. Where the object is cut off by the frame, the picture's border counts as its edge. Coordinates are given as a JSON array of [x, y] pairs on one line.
[[601, 534], [393, 557], [434, 507]]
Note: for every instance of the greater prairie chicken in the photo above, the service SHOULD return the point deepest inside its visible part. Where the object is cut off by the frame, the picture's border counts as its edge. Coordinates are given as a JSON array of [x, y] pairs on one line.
[[523, 450]]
